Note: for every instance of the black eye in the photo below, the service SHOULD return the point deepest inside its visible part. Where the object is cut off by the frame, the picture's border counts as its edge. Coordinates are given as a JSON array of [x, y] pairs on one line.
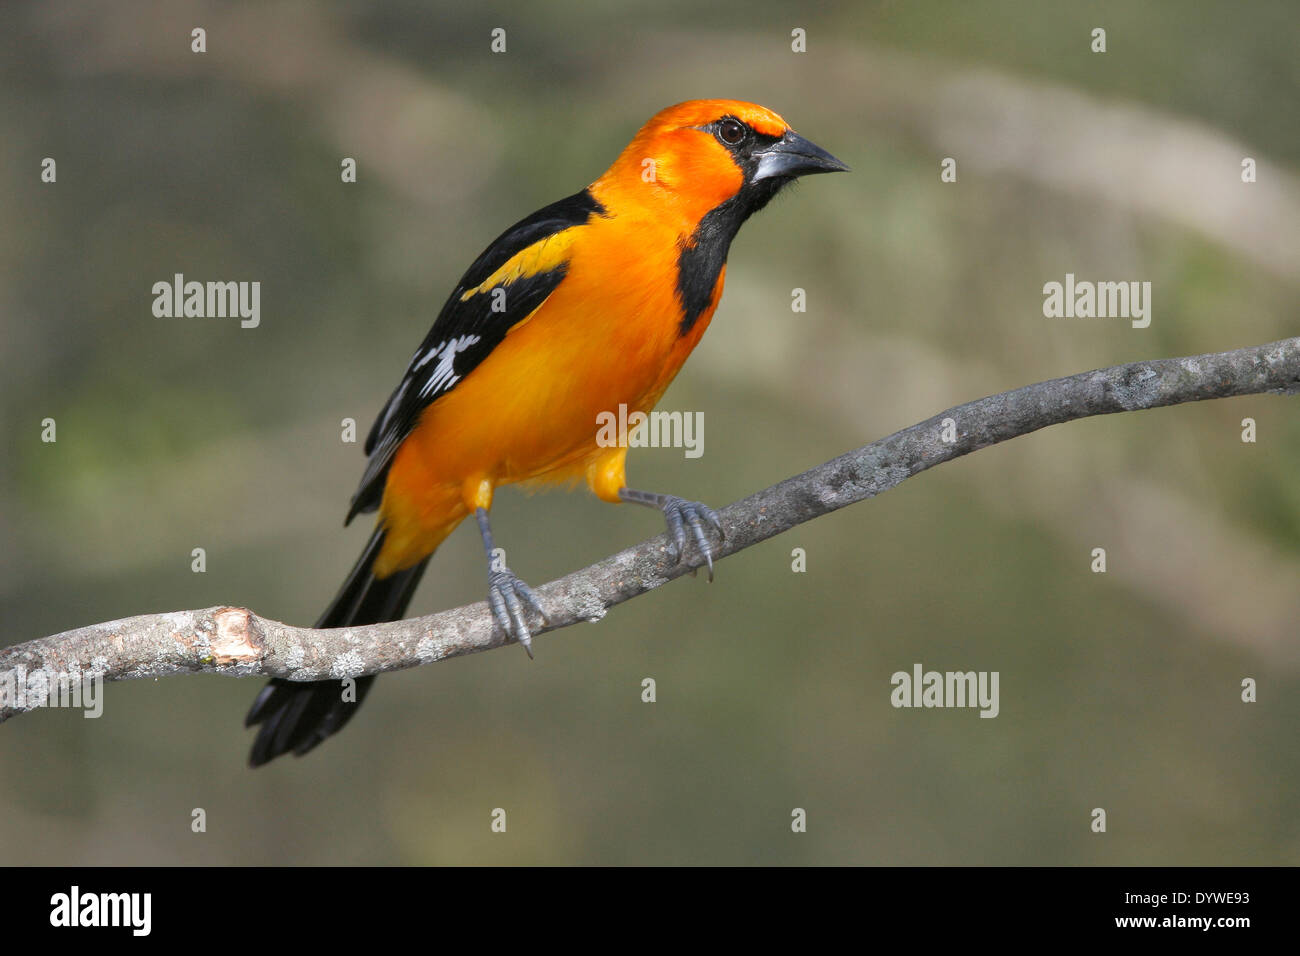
[[731, 131]]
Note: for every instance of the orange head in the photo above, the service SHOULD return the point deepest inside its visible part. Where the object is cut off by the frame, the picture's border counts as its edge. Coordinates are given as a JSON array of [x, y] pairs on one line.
[[700, 154]]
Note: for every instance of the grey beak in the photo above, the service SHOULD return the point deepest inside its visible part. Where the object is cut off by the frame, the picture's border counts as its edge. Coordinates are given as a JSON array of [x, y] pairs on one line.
[[792, 155]]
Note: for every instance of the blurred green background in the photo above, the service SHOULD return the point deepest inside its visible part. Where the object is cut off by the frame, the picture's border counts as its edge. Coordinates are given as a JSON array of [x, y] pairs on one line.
[[1119, 691]]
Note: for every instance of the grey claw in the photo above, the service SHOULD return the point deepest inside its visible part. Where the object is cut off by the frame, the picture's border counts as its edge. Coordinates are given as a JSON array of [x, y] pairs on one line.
[[701, 542], [498, 605], [676, 530], [533, 601], [715, 522]]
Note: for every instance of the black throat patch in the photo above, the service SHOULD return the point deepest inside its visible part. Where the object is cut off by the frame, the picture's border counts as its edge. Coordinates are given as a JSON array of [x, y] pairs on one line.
[[701, 258]]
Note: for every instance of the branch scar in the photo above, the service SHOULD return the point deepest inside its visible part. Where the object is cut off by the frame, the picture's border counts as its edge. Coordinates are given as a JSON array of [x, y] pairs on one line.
[[235, 642]]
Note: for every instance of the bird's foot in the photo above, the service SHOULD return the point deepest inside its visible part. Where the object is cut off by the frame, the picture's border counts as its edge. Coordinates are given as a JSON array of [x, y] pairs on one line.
[[508, 597], [680, 515]]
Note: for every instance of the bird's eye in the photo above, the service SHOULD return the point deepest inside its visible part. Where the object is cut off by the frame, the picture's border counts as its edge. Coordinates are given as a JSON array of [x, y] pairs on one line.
[[731, 131]]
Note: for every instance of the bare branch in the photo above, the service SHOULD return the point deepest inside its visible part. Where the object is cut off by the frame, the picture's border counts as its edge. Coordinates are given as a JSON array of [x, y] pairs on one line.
[[235, 642]]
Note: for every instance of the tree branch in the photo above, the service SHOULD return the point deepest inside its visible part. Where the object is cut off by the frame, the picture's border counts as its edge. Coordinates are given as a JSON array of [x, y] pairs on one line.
[[236, 642]]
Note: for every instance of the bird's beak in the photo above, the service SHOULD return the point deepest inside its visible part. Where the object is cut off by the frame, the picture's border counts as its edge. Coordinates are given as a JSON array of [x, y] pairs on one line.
[[792, 155]]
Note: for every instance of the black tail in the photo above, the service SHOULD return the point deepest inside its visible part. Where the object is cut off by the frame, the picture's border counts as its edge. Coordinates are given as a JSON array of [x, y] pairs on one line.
[[298, 715]]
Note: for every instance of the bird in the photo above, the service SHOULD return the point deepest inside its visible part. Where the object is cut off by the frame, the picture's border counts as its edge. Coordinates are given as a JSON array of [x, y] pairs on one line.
[[590, 303]]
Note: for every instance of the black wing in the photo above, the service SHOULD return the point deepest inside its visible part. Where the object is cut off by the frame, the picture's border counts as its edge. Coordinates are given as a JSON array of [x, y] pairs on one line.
[[471, 324]]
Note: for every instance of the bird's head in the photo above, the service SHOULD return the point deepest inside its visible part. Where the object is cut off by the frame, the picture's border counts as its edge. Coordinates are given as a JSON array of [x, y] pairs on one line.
[[700, 154]]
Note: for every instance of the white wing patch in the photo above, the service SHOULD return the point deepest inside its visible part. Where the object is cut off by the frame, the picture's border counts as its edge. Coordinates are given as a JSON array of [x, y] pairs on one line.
[[443, 375]]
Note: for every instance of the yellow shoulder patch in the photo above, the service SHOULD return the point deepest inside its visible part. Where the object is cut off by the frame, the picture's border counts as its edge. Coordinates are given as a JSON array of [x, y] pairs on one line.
[[541, 256]]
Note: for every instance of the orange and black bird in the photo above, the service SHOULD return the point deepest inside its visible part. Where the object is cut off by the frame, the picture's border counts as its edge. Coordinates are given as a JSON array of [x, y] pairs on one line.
[[590, 303]]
